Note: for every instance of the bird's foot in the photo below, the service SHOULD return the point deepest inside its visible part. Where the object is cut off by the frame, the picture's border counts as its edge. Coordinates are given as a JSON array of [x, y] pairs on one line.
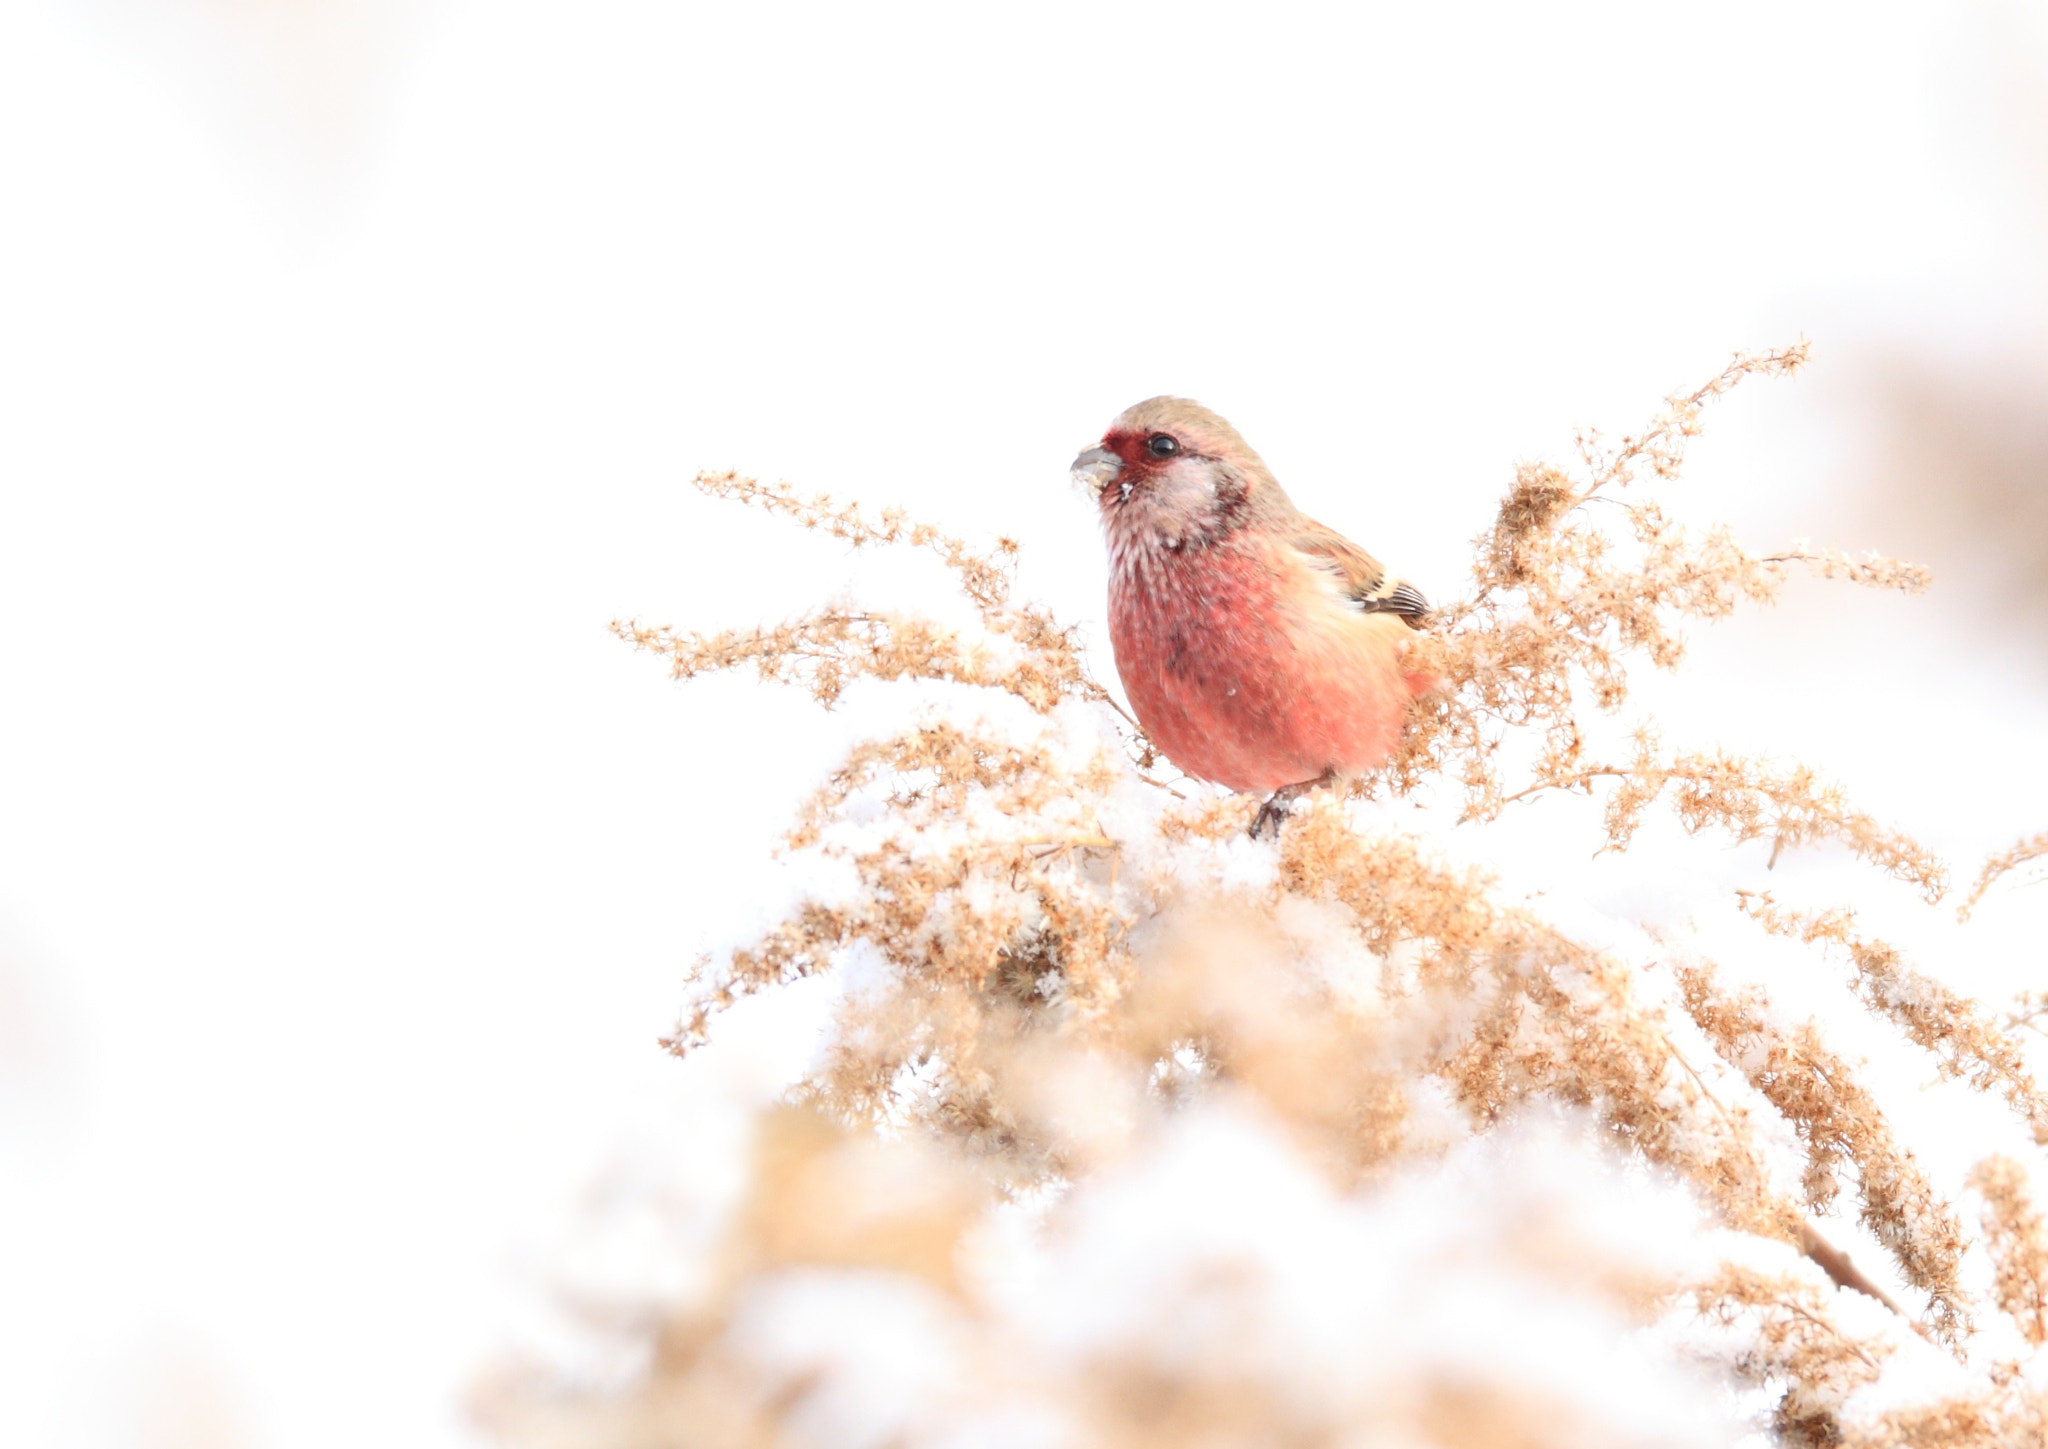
[[1266, 824], [1271, 814]]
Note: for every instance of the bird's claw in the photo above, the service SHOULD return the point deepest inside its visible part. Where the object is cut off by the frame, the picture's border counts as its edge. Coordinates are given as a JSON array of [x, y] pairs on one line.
[[1273, 814], [1266, 824]]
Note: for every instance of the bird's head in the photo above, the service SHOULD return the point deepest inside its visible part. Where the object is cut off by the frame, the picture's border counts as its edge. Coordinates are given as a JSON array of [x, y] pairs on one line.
[[1170, 468]]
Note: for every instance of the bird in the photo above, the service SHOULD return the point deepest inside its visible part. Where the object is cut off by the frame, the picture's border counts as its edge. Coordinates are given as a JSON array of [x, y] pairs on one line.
[[1259, 649]]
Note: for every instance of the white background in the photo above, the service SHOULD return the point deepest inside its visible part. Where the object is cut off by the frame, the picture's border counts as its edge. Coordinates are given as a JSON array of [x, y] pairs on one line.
[[353, 358]]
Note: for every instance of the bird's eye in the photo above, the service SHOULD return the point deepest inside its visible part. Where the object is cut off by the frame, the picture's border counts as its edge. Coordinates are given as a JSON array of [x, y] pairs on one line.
[[1159, 445]]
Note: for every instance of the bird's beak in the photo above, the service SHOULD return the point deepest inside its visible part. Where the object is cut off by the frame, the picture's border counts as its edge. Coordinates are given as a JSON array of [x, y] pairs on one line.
[[1096, 469]]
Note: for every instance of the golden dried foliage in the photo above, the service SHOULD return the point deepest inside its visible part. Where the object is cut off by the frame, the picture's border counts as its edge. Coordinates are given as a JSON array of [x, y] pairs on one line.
[[1047, 956], [825, 649], [1842, 1129], [2014, 1237], [2034, 847], [1562, 599], [1962, 1037]]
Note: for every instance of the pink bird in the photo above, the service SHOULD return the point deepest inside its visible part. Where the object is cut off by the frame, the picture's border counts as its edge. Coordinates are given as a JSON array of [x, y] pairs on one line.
[[1260, 649]]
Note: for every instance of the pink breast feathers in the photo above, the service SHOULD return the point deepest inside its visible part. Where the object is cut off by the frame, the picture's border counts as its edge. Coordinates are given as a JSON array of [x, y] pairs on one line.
[[1252, 677]]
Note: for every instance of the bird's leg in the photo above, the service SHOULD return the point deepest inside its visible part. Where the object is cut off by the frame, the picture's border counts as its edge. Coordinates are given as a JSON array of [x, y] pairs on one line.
[[1274, 811]]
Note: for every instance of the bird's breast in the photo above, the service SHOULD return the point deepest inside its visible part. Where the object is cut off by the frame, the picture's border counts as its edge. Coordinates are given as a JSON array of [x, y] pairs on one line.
[[1176, 611], [1245, 674]]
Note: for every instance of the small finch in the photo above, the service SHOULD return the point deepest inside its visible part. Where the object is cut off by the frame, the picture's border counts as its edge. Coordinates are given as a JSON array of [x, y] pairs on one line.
[[1260, 650]]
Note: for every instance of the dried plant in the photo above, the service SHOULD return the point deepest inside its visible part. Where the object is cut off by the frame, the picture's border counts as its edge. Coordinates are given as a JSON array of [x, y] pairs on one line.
[[1962, 1037], [2019, 1249], [825, 649], [1051, 965], [1562, 599], [2034, 847]]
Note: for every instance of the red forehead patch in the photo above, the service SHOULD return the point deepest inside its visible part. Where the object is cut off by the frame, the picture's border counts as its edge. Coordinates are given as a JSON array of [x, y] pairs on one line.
[[1130, 446]]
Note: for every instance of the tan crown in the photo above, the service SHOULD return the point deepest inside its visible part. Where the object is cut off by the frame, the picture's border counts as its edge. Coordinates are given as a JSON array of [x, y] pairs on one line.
[[1205, 432]]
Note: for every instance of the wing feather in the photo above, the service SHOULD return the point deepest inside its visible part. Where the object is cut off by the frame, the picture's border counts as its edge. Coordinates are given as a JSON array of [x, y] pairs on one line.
[[1365, 579]]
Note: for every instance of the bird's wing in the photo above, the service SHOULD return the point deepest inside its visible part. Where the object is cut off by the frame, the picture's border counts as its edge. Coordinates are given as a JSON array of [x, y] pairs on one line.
[[1365, 579]]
